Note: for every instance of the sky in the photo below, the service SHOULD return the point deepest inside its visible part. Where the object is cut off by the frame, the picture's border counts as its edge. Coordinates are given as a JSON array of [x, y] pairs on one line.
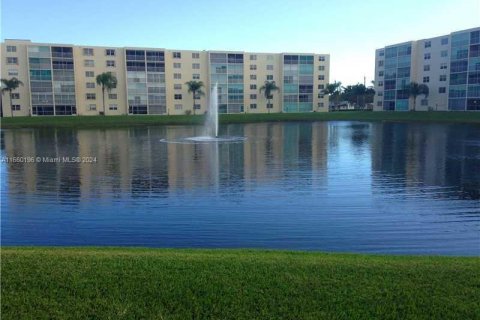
[[349, 31]]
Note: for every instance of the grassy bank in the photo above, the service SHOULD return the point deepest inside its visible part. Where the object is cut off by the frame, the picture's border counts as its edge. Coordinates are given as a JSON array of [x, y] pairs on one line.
[[122, 121], [122, 283]]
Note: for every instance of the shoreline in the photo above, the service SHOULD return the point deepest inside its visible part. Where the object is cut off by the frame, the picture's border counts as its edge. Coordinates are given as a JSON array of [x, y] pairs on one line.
[[160, 120]]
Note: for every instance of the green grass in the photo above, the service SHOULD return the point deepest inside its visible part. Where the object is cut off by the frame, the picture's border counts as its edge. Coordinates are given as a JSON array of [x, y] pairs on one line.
[[122, 121], [129, 283]]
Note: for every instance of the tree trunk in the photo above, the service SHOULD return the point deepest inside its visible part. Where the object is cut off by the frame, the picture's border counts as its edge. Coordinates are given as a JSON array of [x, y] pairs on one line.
[[11, 104], [103, 98], [414, 102], [193, 102], [268, 103]]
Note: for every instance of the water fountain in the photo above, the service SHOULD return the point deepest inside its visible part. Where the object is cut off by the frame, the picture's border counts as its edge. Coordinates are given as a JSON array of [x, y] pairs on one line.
[[210, 131]]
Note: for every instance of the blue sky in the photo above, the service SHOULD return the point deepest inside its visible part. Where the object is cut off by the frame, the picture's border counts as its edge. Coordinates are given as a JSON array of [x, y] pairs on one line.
[[349, 30]]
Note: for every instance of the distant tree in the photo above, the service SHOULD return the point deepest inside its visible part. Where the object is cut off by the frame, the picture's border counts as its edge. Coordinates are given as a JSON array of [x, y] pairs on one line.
[[414, 90], [268, 89], [195, 88], [333, 90], [9, 85], [108, 82]]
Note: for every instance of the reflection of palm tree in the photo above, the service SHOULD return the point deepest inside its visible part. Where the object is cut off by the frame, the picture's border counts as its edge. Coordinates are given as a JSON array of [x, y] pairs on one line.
[[108, 81], [414, 90], [10, 85], [333, 90], [268, 89], [195, 87]]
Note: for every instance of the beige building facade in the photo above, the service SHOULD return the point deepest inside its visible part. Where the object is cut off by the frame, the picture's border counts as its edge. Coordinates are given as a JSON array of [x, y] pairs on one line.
[[449, 65], [60, 80]]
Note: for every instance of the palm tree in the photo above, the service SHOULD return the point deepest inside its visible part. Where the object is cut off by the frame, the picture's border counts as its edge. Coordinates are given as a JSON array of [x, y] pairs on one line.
[[333, 90], [195, 87], [8, 86], [108, 81], [414, 90], [268, 89]]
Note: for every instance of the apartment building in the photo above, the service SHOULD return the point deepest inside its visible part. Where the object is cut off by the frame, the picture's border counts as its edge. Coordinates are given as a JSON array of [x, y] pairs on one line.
[[60, 79], [449, 65]]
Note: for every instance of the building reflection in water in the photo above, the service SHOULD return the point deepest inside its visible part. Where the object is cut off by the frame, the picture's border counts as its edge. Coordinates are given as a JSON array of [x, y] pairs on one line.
[[438, 159], [132, 162]]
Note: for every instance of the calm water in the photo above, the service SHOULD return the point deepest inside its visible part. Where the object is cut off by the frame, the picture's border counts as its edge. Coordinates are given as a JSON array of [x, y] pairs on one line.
[[330, 186]]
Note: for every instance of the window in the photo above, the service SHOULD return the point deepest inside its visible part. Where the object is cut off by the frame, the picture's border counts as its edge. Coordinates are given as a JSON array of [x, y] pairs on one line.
[[88, 63], [428, 44], [426, 67], [443, 77], [177, 76], [178, 97], [12, 72], [15, 95], [110, 52], [196, 76], [91, 96], [381, 53], [11, 49], [177, 86], [321, 77], [112, 96], [92, 107], [253, 67], [269, 77], [380, 93], [321, 104], [89, 74], [426, 79], [321, 58], [321, 95], [269, 66], [15, 107], [112, 107], [253, 57], [111, 63], [253, 77], [426, 56], [380, 63], [443, 66], [380, 83], [253, 96], [442, 90], [178, 107], [90, 85], [196, 106], [269, 105], [177, 65], [195, 65], [379, 103], [424, 102], [12, 60], [195, 55], [253, 86], [380, 73], [88, 51], [444, 53], [253, 106], [321, 86], [177, 55], [321, 68], [444, 41]]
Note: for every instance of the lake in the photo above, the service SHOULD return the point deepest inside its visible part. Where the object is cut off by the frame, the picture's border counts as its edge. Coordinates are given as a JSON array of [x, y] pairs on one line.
[[394, 188]]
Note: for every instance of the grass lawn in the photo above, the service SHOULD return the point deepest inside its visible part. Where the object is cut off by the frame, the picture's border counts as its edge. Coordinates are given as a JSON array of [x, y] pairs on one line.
[[129, 283], [143, 120]]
